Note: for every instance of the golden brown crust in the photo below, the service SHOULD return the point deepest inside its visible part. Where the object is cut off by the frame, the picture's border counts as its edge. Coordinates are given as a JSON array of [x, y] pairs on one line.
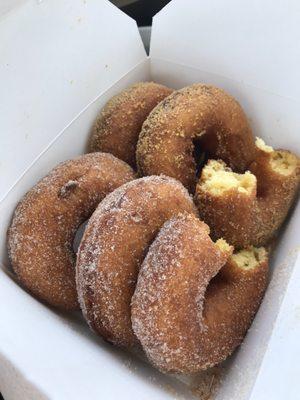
[[252, 218], [114, 245], [186, 317], [275, 194], [117, 128], [199, 114], [40, 238]]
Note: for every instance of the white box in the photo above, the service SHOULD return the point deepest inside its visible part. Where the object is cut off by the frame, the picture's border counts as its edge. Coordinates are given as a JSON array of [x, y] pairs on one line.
[[60, 62]]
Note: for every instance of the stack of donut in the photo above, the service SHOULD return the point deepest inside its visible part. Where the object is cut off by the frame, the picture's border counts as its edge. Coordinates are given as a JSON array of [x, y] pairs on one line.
[[182, 203]]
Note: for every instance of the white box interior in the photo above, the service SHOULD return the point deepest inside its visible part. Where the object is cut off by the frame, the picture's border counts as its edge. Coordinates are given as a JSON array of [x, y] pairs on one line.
[[47, 355]]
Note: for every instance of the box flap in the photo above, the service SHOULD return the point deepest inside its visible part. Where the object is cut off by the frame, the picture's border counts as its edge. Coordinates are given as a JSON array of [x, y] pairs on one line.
[[253, 42], [56, 57], [8, 5]]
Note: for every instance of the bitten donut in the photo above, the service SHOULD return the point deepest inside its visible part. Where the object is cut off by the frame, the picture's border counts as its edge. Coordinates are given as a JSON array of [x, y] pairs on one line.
[[119, 123], [44, 224], [248, 209], [198, 116], [114, 245], [191, 308]]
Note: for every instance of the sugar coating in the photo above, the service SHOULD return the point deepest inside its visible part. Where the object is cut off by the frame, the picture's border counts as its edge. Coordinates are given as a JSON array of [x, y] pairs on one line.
[[114, 245], [189, 311], [119, 123], [198, 115], [45, 222]]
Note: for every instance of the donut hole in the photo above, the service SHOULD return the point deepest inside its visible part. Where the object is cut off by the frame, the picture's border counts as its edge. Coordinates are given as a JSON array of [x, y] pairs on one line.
[[283, 162], [217, 178], [78, 236], [249, 258], [199, 156]]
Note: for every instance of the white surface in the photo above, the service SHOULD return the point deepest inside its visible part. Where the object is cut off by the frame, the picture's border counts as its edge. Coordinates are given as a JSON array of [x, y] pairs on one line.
[[256, 42], [8, 5], [47, 355], [56, 56], [281, 363]]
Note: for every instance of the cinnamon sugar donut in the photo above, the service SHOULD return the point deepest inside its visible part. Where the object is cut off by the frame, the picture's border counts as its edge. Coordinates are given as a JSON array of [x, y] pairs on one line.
[[44, 224], [248, 209], [189, 310], [119, 123], [198, 115], [114, 245]]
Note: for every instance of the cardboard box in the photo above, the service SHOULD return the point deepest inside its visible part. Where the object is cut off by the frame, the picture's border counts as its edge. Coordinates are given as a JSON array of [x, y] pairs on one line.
[[60, 63]]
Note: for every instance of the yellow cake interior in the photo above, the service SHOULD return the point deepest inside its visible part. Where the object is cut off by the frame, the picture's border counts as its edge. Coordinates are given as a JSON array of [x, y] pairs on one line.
[[282, 162], [249, 258], [223, 245], [263, 146], [217, 178]]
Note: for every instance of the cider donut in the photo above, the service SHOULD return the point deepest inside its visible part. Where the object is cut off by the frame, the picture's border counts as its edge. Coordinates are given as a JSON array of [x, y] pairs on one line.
[[191, 308], [248, 209], [114, 245], [198, 115], [117, 128], [44, 224]]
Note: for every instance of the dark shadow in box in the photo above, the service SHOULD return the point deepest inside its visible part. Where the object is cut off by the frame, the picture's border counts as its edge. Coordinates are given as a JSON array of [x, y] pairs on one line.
[[143, 10]]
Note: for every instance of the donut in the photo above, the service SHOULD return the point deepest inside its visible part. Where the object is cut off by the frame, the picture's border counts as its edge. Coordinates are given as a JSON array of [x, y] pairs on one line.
[[117, 128], [193, 301], [196, 119], [44, 224], [113, 247], [248, 209]]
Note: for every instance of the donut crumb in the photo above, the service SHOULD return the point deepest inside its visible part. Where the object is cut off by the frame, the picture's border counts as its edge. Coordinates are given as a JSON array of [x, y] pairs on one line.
[[261, 145]]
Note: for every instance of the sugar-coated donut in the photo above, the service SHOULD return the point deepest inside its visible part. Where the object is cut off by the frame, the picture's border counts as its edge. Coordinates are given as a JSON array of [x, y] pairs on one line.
[[198, 115], [248, 209], [114, 245], [189, 311], [44, 224], [119, 123]]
